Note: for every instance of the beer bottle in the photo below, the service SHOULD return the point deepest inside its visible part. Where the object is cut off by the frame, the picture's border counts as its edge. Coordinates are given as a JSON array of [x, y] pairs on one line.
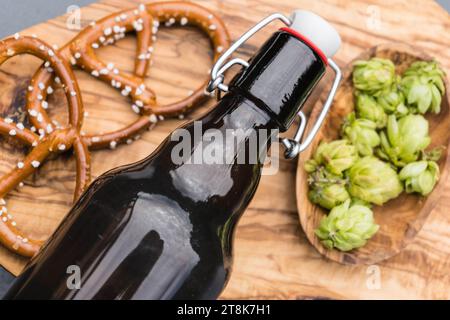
[[162, 228]]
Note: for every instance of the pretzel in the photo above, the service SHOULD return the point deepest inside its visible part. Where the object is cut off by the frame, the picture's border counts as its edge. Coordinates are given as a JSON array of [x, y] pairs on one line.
[[47, 138], [145, 21], [50, 140]]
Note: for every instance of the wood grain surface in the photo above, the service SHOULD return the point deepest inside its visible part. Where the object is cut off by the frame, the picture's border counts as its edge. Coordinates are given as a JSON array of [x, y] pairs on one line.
[[273, 258]]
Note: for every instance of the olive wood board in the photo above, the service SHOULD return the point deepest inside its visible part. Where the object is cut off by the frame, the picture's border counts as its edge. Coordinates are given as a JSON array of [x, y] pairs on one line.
[[273, 257]]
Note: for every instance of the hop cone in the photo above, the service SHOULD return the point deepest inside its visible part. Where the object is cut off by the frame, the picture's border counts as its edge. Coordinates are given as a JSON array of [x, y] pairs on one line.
[[347, 227], [327, 190], [393, 102], [335, 156], [361, 133], [420, 176], [404, 139], [374, 181], [368, 108], [423, 86], [374, 75]]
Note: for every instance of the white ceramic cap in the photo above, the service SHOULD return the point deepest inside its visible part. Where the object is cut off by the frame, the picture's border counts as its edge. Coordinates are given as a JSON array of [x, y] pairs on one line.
[[317, 30]]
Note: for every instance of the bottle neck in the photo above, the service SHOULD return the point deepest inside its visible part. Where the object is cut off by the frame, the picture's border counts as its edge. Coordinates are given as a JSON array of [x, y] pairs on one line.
[[236, 111], [263, 99], [280, 78]]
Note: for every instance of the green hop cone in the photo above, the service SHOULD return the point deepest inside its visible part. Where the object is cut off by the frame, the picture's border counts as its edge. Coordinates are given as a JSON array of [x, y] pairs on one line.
[[404, 139], [335, 156], [393, 102], [361, 133], [374, 181], [347, 227], [420, 176], [423, 86], [374, 75], [368, 108], [327, 189]]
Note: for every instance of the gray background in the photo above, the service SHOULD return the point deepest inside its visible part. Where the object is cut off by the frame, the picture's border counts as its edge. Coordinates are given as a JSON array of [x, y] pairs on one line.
[[16, 15], [445, 4]]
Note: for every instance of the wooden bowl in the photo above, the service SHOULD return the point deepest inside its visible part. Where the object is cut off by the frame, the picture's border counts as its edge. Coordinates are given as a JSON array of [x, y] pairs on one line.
[[400, 219]]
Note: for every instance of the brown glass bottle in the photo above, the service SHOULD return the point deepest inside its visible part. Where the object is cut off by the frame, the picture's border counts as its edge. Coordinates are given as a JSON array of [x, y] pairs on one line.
[[160, 230]]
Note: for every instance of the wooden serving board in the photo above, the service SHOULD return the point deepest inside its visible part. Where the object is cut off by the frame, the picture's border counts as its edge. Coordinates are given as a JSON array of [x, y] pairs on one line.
[[273, 258]]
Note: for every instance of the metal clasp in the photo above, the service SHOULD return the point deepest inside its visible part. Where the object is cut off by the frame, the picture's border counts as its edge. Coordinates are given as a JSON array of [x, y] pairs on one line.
[[220, 67], [294, 145]]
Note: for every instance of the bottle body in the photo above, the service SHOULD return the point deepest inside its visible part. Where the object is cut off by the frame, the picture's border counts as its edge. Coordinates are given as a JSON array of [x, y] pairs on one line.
[[159, 229]]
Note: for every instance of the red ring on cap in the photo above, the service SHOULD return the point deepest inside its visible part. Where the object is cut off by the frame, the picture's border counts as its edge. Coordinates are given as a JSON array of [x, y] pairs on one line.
[[308, 42]]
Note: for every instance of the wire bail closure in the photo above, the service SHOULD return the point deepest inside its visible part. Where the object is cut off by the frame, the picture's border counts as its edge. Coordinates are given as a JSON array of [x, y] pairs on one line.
[[221, 66], [294, 145]]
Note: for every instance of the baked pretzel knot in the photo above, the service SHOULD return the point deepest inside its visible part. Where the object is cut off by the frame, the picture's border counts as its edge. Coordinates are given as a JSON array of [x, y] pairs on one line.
[[43, 141], [144, 21], [46, 138]]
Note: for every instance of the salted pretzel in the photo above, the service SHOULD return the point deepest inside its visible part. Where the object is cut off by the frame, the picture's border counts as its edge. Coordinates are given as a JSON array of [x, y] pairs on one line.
[[45, 141], [145, 21], [46, 138]]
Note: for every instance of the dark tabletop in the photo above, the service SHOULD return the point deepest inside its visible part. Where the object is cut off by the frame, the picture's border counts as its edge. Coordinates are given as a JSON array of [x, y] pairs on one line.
[[6, 280]]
